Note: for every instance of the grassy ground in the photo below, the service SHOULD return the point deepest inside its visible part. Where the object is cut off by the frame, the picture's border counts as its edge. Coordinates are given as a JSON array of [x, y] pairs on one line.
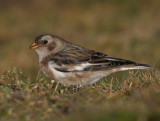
[[135, 97], [120, 28]]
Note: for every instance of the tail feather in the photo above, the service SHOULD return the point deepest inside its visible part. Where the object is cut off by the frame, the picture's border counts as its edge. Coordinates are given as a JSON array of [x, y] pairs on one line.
[[135, 66]]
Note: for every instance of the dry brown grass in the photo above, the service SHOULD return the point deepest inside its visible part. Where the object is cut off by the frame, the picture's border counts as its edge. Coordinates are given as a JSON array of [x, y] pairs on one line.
[[134, 97]]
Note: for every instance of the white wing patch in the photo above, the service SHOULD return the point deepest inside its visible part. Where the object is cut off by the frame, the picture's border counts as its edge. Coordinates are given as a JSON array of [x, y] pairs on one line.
[[56, 73], [73, 68], [112, 59], [80, 67]]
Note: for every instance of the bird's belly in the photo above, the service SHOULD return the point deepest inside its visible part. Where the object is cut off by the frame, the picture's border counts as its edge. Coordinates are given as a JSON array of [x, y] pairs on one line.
[[73, 78], [77, 78]]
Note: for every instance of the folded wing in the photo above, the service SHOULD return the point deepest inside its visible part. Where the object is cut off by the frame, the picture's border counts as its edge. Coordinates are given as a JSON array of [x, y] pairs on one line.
[[93, 61]]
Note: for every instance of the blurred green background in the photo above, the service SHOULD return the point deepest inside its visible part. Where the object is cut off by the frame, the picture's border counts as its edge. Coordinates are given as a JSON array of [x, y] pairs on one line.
[[120, 28]]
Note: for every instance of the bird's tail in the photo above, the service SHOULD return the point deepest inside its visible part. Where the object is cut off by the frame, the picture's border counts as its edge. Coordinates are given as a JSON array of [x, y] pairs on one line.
[[134, 66]]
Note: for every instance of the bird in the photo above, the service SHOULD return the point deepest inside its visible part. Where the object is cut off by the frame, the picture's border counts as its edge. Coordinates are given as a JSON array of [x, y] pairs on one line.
[[71, 64]]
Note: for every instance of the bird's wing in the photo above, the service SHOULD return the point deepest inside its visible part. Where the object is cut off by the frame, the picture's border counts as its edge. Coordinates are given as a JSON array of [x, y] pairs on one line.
[[88, 60]]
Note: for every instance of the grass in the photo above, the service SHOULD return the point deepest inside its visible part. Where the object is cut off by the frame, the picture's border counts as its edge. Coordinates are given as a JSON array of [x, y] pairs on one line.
[[119, 28], [133, 97]]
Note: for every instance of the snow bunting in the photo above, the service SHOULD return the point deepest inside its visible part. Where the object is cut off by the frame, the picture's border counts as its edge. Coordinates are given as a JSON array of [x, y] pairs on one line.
[[71, 64]]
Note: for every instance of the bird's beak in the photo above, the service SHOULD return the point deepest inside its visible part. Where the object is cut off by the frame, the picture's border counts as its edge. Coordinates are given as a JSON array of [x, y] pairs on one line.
[[34, 46]]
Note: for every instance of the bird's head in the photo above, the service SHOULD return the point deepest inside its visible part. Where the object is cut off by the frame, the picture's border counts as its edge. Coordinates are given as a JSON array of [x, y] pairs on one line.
[[47, 44]]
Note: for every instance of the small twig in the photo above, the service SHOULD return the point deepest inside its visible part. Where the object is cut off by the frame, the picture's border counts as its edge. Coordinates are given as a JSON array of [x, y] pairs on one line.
[[37, 76]]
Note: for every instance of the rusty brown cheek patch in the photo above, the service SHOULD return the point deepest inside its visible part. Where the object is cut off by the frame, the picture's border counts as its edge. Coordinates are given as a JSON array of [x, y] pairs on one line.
[[51, 46]]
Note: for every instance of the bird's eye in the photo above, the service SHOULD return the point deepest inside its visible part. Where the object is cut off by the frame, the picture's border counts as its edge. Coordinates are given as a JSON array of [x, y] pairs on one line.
[[45, 41]]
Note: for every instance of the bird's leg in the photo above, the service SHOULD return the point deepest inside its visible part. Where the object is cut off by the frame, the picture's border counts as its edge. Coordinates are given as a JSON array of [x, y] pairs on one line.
[[75, 88], [78, 87], [56, 87]]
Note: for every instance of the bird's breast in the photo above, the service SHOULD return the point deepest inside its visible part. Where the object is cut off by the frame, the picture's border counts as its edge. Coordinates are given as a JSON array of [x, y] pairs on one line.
[[46, 70]]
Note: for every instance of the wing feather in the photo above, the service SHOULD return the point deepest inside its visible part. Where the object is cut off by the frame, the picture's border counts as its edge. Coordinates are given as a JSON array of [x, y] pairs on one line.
[[78, 59]]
